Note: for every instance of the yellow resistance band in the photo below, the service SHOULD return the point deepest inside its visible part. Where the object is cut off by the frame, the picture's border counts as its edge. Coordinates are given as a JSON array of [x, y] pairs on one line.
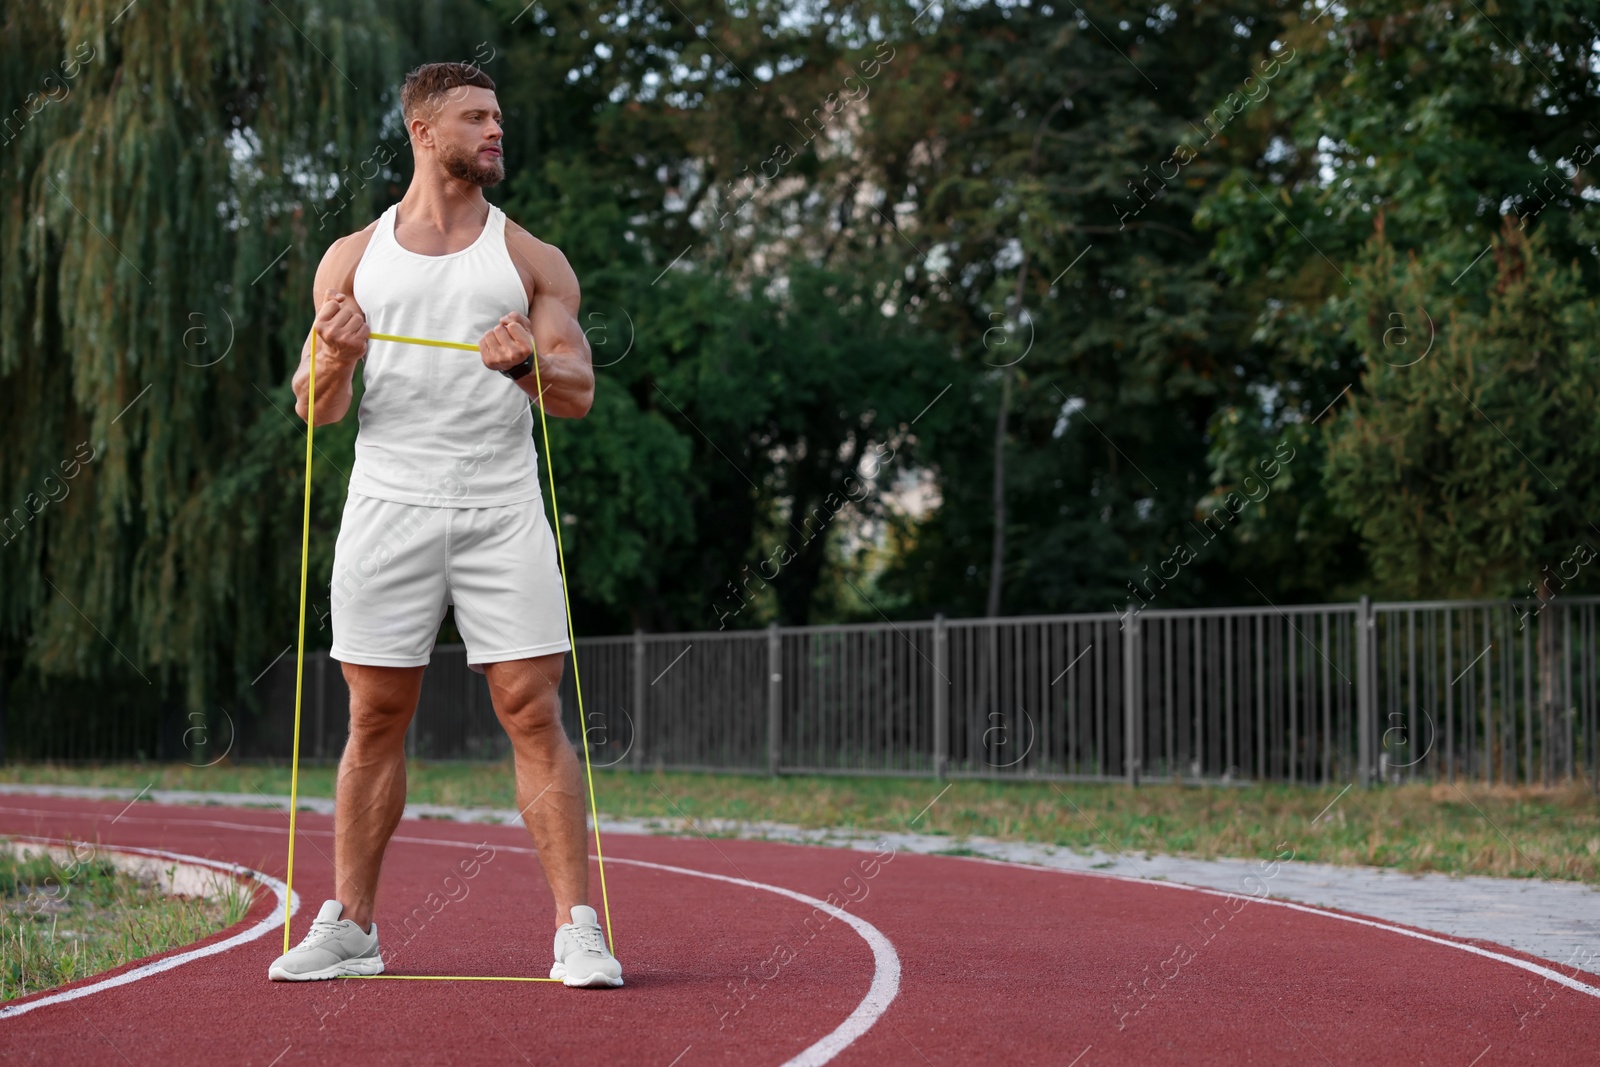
[[446, 978], [299, 670]]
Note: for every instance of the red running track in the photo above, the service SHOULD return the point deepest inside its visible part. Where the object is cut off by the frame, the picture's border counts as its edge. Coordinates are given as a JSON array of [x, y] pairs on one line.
[[949, 961]]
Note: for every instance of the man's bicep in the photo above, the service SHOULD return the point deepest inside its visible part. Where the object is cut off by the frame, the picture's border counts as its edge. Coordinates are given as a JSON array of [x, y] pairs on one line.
[[555, 308], [559, 281], [324, 278], [331, 276], [556, 329], [336, 272]]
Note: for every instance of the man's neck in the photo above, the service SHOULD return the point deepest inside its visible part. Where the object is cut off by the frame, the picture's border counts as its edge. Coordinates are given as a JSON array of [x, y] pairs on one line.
[[444, 204]]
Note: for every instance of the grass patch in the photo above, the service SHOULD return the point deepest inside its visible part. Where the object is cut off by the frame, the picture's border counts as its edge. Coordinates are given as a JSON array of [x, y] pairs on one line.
[[61, 921], [1519, 832]]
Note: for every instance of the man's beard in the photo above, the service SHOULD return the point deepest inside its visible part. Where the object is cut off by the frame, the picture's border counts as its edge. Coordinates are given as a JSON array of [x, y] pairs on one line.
[[464, 165]]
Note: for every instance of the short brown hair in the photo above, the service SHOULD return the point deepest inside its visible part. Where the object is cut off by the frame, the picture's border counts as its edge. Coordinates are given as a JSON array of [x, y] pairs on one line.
[[435, 79]]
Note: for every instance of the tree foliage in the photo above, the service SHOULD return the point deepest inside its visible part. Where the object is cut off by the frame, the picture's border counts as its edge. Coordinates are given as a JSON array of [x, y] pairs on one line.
[[1078, 272], [1384, 202], [146, 206], [1467, 468]]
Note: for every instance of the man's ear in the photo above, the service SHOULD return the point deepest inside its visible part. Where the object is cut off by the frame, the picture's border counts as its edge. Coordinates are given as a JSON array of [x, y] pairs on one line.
[[420, 134]]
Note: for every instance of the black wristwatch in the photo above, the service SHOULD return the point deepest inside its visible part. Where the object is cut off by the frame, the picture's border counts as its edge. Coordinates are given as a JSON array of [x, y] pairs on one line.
[[521, 370]]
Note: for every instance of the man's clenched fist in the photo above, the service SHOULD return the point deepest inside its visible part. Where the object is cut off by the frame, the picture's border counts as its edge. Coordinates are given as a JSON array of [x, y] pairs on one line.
[[341, 329], [507, 344]]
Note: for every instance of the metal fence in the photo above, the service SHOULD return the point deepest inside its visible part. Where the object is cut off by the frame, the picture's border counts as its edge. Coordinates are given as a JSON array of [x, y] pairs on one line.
[[1492, 691]]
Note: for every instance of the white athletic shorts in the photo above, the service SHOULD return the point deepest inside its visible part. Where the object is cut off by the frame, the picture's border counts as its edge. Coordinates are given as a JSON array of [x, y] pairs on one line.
[[396, 567]]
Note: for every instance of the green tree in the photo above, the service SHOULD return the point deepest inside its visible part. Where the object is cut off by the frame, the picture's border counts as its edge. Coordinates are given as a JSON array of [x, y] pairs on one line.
[[1471, 469], [755, 323], [143, 316], [1034, 139], [1429, 126]]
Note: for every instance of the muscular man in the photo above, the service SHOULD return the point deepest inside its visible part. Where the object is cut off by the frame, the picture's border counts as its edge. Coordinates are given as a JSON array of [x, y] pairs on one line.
[[445, 507]]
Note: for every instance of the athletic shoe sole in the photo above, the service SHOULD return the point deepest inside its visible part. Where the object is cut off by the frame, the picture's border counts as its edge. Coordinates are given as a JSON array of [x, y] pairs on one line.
[[594, 981], [366, 966]]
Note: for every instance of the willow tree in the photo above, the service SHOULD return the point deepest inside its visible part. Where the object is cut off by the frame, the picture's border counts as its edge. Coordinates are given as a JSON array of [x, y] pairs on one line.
[[171, 180]]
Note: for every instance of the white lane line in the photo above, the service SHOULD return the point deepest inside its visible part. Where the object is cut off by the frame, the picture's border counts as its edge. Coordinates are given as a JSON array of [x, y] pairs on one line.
[[885, 966], [1389, 927], [885, 985], [887, 969], [885, 961], [1499, 957], [166, 963], [158, 821], [1534, 968]]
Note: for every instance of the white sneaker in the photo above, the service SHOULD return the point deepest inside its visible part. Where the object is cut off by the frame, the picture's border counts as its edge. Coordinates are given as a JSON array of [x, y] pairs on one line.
[[333, 947], [582, 958]]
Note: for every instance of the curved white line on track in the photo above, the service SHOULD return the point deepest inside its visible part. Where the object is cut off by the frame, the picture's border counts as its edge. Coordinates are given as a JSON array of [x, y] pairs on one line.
[[885, 967], [273, 920], [885, 985], [1526, 965]]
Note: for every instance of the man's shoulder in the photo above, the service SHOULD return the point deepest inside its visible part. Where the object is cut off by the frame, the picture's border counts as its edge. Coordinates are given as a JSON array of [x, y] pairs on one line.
[[354, 243], [516, 232], [543, 260], [340, 260]]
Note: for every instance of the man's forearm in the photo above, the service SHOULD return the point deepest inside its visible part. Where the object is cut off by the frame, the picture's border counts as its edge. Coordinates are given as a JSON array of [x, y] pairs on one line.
[[335, 388], [568, 383]]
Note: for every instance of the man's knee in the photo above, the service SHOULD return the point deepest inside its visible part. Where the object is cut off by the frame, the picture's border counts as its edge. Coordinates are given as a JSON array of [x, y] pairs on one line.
[[378, 722], [537, 717], [526, 695], [382, 699]]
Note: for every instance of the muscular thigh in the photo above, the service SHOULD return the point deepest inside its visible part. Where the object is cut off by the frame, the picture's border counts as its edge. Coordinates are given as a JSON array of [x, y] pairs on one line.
[[382, 696], [525, 691]]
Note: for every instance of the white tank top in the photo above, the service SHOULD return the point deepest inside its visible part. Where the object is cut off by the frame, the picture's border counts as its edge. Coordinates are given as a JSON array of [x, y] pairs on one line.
[[437, 427]]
